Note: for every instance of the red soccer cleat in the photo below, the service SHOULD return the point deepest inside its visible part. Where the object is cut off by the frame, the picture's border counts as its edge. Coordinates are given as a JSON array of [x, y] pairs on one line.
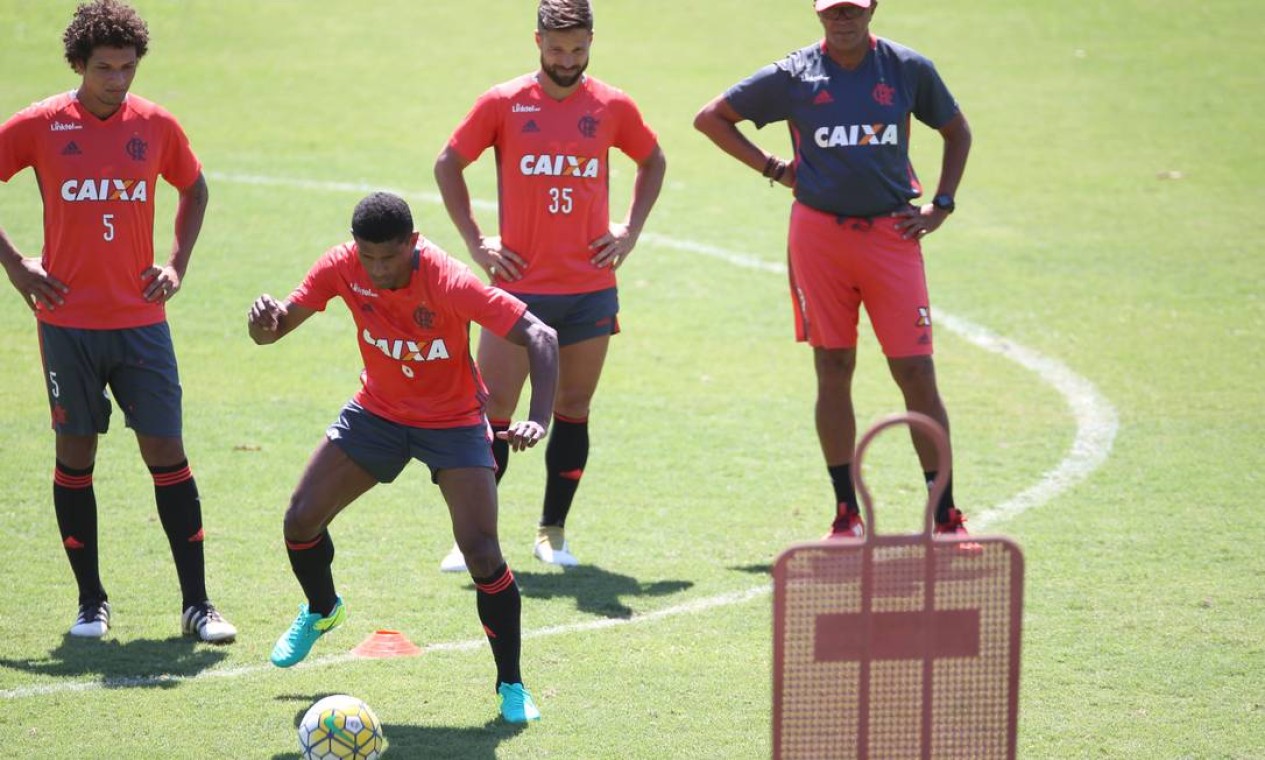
[[847, 525], [955, 527]]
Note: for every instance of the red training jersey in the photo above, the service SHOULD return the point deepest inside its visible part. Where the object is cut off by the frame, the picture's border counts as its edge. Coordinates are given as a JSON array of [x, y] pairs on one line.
[[96, 179], [415, 340], [553, 175]]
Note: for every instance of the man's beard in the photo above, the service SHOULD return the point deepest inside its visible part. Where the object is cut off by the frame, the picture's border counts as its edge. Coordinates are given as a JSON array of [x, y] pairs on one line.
[[551, 72]]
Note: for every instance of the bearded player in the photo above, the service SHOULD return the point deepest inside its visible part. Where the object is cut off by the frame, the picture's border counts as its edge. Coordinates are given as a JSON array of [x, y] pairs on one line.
[[552, 131]]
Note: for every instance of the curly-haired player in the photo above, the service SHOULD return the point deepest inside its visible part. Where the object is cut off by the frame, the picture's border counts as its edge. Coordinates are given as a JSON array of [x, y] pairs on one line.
[[99, 296]]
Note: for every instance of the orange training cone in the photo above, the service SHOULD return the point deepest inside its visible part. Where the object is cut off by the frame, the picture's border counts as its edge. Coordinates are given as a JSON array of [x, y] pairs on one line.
[[382, 644]]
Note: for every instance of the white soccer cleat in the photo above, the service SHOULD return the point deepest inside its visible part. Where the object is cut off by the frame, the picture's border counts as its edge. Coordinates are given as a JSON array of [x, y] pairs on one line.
[[552, 547], [454, 562], [93, 620], [205, 622]]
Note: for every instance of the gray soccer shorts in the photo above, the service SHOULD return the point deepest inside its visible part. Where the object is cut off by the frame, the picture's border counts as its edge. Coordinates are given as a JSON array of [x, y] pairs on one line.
[[576, 317], [136, 364], [384, 447]]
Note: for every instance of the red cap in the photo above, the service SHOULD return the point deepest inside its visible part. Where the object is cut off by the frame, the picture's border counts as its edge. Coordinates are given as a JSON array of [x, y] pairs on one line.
[[827, 4]]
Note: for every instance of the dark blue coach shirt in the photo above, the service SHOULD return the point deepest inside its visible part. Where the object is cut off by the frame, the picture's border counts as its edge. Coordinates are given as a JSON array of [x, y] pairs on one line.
[[850, 129]]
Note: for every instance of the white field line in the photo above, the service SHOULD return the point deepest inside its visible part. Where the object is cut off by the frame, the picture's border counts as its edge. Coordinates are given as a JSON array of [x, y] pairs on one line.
[[698, 605], [1096, 426], [1096, 420]]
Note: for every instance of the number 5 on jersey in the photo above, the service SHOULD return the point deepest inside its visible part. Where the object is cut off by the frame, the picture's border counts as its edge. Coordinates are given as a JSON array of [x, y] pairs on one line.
[[560, 200]]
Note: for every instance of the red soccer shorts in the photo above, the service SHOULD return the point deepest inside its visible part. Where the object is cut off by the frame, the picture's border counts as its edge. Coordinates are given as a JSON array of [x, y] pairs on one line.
[[837, 264]]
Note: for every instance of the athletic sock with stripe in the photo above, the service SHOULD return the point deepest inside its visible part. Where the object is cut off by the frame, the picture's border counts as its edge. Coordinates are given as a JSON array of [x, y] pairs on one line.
[[180, 512], [565, 457], [500, 610], [75, 502]]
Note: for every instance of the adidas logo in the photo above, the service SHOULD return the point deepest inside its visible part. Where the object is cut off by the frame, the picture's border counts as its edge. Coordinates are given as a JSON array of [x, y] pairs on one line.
[[530, 126], [823, 98], [71, 150]]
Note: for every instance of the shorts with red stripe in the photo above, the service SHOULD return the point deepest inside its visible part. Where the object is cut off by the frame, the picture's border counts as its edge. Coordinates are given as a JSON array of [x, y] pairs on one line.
[[576, 317], [839, 263]]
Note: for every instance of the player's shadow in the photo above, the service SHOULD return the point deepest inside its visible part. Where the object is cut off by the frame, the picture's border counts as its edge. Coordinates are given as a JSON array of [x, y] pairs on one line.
[[141, 663], [754, 569], [596, 591], [430, 742]]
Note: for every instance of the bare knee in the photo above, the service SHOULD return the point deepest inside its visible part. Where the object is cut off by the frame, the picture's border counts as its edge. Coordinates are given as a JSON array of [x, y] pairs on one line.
[[161, 452], [501, 402], [77, 451], [915, 375], [834, 366], [483, 555], [572, 405], [303, 520]]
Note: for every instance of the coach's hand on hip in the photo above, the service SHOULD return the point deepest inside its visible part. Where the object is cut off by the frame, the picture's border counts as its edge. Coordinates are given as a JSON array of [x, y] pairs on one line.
[[917, 222]]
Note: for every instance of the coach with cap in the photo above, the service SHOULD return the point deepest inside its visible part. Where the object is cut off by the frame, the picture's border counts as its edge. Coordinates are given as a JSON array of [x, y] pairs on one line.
[[855, 235]]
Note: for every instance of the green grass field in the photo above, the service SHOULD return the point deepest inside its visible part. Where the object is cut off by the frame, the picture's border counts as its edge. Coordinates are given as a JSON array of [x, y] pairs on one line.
[[1099, 293]]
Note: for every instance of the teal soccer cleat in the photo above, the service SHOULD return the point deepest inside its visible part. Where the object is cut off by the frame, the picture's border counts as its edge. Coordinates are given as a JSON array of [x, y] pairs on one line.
[[295, 643], [516, 703]]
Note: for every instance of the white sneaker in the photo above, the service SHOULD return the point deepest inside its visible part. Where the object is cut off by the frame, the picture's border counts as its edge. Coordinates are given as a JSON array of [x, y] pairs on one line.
[[205, 622], [93, 620], [552, 547], [454, 562]]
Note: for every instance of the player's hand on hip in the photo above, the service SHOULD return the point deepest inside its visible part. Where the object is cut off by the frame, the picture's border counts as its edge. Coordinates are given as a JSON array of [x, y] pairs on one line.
[[613, 247], [523, 434], [36, 285], [916, 222], [161, 283], [497, 260]]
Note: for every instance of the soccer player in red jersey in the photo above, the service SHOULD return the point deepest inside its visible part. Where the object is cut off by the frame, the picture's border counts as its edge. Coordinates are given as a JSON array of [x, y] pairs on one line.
[[99, 297], [552, 131], [421, 398], [855, 236]]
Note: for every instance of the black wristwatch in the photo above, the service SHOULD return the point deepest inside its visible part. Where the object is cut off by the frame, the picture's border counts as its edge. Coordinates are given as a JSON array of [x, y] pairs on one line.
[[944, 203]]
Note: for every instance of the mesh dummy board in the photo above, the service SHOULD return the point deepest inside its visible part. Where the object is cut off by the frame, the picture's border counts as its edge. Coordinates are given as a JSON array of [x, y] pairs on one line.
[[897, 647]]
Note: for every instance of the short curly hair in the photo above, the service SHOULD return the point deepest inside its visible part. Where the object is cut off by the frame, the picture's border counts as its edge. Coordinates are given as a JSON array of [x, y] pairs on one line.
[[564, 15], [104, 23], [382, 218]]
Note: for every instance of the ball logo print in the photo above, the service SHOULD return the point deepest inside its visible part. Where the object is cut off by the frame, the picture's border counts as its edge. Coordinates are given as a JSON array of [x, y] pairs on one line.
[[340, 727]]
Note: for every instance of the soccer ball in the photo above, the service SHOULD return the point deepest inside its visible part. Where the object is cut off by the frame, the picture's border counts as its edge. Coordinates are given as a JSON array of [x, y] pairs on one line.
[[340, 727]]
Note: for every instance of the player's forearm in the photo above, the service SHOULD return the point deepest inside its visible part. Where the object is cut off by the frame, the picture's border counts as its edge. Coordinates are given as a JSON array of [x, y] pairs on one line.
[[720, 124], [270, 321], [957, 146], [646, 189], [9, 255], [190, 212], [456, 195], [542, 360]]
